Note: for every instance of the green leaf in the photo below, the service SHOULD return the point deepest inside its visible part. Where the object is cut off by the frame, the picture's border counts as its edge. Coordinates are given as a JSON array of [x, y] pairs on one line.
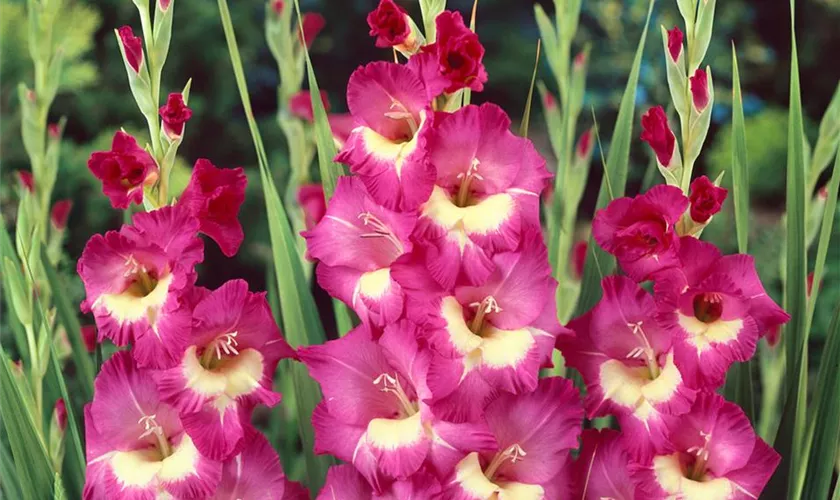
[[7, 249], [615, 170], [67, 316], [549, 36], [526, 116], [430, 10], [32, 462], [827, 142], [8, 474], [824, 425], [740, 169], [300, 316]]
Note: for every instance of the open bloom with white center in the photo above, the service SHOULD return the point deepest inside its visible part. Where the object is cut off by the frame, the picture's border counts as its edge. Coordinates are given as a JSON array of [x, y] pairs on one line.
[[134, 279], [387, 148], [345, 483], [256, 474], [602, 468], [373, 414], [136, 446], [226, 369], [627, 362], [715, 308], [355, 243], [486, 191], [495, 336], [535, 433], [714, 455]]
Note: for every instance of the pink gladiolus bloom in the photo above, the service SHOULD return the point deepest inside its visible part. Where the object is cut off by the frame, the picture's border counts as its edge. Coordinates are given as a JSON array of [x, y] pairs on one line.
[[132, 46], [312, 25], [373, 414], [389, 24], [601, 470], [214, 196], [658, 135], [310, 197], [699, 84], [640, 231], [60, 213], [124, 170], [675, 43], [174, 115], [256, 473], [300, 105], [715, 309], [387, 148], [136, 446], [226, 370], [714, 455], [27, 181], [706, 199], [458, 52], [494, 336], [344, 482], [134, 279], [356, 243], [534, 433], [627, 362], [487, 191]]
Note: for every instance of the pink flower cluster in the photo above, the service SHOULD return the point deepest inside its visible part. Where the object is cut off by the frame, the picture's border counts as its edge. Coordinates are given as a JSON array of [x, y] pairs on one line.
[[171, 416], [435, 243], [654, 361]]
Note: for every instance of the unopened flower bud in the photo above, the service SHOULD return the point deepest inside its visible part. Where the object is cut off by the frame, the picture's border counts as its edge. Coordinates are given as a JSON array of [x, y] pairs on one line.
[[706, 199], [658, 135], [389, 24], [584, 145], [675, 43], [174, 115], [580, 59], [277, 6], [26, 180], [699, 90], [60, 414], [549, 101], [60, 213], [54, 131], [132, 46], [164, 4], [300, 105], [312, 25], [88, 333], [579, 258]]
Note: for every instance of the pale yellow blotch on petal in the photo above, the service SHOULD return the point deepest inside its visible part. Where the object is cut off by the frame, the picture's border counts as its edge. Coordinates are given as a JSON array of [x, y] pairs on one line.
[[141, 468], [390, 434], [375, 284], [486, 216], [464, 340], [632, 387], [232, 376], [504, 348], [129, 306], [469, 475], [703, 336], [670, 476], [182, 462], [385, 149], [520, 491]]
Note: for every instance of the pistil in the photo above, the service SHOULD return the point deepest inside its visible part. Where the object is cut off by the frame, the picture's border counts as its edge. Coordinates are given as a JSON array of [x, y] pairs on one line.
[[466, 180], [151, 427], [646, 351], [391, 384], [380, 230], [223, 345], [487, 305], [401, 113], [513, 453]]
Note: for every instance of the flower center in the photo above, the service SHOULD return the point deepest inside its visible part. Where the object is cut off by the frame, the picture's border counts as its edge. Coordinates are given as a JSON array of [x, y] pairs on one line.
[[645, 351], [391, 384], [223, 345], [467, 177], [708, 307], [400, 112], [698, 470], [380, 230], [143, 282], [487, 305], [514, 453], [151, 427]]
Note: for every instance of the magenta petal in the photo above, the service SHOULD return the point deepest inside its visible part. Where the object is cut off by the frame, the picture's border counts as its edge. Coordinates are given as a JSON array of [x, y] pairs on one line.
[[452, 442], [752, 478], [257, 473], [601, 469], [377, 90], [345, 482], [217, 433]]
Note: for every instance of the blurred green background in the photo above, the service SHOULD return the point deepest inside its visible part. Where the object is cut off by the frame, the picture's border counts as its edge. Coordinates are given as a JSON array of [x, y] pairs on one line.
[[96, 99]]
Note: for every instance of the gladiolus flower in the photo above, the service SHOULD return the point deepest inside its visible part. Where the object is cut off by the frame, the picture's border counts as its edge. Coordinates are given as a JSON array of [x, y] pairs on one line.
[[389, 24], [341, 125], [640, 231], [706, 199], [300, 105], [310, 197], [699, 84], [136, 446], [312, 25], [132, 47], [124, 170], [134, 279], [486, 193], [627, 362], [675, 43], [601, 470], [26, 179], [715, 309], [174, 115], [459, 53], [214, 196], [714, 454], [226, 369], [373, 413], [345, 482], [534, 433], [387, 148], [256, 473], [355, 244], [60, 213], [658, 135]]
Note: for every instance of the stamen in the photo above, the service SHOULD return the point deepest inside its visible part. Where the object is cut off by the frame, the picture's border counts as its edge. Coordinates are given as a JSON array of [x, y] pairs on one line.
[[466, 180], [698, 470], [402, 113], [647, 350], [514, 453], [151, 427], [380, 230], [486, 306], [391, 384], [225, 344]]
